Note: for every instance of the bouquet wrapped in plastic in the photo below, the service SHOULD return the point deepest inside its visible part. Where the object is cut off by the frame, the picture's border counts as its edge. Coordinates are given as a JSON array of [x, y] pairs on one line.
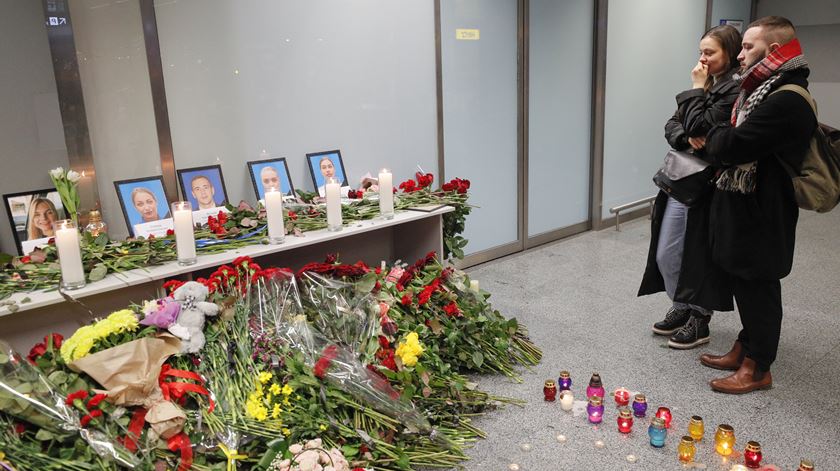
[[275, 303], [25, 393]]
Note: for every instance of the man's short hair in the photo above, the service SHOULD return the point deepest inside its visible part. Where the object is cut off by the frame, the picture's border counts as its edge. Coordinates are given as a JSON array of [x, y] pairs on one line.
[[775, 29], [192, 182]]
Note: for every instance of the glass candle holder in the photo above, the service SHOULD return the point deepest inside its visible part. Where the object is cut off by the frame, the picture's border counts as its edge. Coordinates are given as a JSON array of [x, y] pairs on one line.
[[564, 382], [695, 428], [724, 440], [595, 388], [595, 409], [96, 226], [738, 467], [182, 219], [625, 420], [752, 455], [657, 432], [665, 414], [639, 405], [806, 465], [68, 245], [686, 449], [567, 400], [550, 390], [621, 397]]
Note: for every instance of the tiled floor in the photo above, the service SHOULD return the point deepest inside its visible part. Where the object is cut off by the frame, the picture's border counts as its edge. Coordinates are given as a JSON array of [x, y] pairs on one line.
[[578, 296]]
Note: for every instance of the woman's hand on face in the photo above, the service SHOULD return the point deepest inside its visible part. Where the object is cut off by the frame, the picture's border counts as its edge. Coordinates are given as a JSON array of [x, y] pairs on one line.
[[699, 74], [697, 143]]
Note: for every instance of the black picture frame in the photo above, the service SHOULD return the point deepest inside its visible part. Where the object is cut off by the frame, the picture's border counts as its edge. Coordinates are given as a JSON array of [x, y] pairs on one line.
[[61, 213], [313, 162], [218, 178], [256, 166], [122, 185]]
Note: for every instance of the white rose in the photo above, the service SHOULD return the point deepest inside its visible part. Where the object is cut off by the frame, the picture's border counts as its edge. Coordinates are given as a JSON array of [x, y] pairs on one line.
[[74, 176], [57, 172]]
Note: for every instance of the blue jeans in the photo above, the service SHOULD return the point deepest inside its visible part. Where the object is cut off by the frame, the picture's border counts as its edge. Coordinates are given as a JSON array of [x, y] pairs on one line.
[[669, 250]]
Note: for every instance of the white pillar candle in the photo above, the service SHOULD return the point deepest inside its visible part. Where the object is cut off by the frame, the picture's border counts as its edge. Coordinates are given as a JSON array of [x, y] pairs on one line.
[[274, 214], [386, 194], [184, 235], [333, 192], [69, 254], [567, 400]]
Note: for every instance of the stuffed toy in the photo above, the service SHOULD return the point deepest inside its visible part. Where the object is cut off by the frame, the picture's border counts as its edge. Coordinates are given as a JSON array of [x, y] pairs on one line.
[[190, 324]]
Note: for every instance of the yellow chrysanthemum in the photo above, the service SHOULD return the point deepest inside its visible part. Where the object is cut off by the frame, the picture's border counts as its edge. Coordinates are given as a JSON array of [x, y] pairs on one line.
[[275, 389], [81, 342], [410, 349], [265, 377], [287, 390], [255, 409]]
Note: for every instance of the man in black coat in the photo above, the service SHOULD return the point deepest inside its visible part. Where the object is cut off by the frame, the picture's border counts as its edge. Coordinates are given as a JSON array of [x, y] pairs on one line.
[[753, 215]]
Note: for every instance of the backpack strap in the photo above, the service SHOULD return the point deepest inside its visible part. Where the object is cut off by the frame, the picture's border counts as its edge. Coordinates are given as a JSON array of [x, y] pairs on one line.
[[801, 91]]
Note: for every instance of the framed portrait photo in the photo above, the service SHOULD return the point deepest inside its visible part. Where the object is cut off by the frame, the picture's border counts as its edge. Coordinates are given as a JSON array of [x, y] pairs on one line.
[[203, 187], [270, 173], [144, 205], [31, 215], [326, 165]]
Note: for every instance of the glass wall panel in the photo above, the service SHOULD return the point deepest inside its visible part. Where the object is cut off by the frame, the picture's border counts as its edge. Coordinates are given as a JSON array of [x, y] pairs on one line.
[[648, 63], [31, 132], [480, 113], [559, 120], [115, 81], [292, 78]]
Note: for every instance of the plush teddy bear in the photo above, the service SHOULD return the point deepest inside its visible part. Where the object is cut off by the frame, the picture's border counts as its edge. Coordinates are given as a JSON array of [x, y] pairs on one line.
[[190, 324]]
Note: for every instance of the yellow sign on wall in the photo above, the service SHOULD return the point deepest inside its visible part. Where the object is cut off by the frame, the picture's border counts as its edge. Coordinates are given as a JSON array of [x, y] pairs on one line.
[[467, 34]]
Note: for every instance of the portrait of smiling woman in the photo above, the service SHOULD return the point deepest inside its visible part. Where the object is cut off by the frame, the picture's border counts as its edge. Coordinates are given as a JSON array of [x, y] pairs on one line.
[[32, 215]]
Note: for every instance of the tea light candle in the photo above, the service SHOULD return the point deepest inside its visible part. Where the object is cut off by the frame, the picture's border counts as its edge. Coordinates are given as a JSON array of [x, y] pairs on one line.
[[595, 388], [640, 405], [333, 192], [657, 432], [386, 194], [752, 455], [184, 235], [550, 390], [274, 214], [567, 400], [69, 254], [806, 465]]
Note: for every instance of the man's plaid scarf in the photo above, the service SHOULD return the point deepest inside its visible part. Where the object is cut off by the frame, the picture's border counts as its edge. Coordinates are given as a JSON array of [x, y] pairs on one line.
[[755, 86]]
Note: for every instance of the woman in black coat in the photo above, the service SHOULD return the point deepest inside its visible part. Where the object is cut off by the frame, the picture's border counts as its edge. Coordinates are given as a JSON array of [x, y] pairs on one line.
[[679, 259]]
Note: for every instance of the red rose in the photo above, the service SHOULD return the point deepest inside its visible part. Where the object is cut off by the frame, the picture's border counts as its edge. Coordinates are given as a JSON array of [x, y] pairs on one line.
[[20, 428], [331, 258], [25, 259], [293, 215], [384, 342], [406, 300], [452, 310], [424, 180], [35, 352], [170, 232]]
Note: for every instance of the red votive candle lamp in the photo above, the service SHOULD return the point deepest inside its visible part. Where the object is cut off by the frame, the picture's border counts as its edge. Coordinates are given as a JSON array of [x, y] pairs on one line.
[[625, 420], [752, 455], [550, 390], [665, 414], [622, 397]]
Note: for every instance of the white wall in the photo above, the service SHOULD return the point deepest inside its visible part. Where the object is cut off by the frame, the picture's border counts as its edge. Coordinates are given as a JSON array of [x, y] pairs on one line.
[[31, 133], [651, 49], [300, 77]]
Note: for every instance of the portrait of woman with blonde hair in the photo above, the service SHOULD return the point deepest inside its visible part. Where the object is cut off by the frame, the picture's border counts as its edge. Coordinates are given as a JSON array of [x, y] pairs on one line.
[[39, 221]]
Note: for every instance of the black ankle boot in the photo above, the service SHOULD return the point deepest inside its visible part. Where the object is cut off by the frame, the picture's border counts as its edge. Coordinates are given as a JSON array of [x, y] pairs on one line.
[[674, 320], [694, 333]]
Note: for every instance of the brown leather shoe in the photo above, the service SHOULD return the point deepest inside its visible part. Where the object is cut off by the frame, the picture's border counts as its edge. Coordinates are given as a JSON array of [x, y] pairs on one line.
[[730, 361], [747, 379]]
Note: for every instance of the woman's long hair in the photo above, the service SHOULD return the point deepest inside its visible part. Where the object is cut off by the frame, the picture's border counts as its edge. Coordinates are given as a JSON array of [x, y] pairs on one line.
[[31, 230], [729, 40]]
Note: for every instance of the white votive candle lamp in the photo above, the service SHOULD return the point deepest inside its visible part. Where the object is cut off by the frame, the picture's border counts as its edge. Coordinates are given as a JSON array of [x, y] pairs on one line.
[[67, 242], [333, 192], [184, 235], [567, 400], [474, 286], [386, 194], [274, 214]]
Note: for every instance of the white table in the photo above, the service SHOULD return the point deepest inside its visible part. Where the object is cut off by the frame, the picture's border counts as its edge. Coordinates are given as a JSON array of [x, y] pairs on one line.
[[408, 236]]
